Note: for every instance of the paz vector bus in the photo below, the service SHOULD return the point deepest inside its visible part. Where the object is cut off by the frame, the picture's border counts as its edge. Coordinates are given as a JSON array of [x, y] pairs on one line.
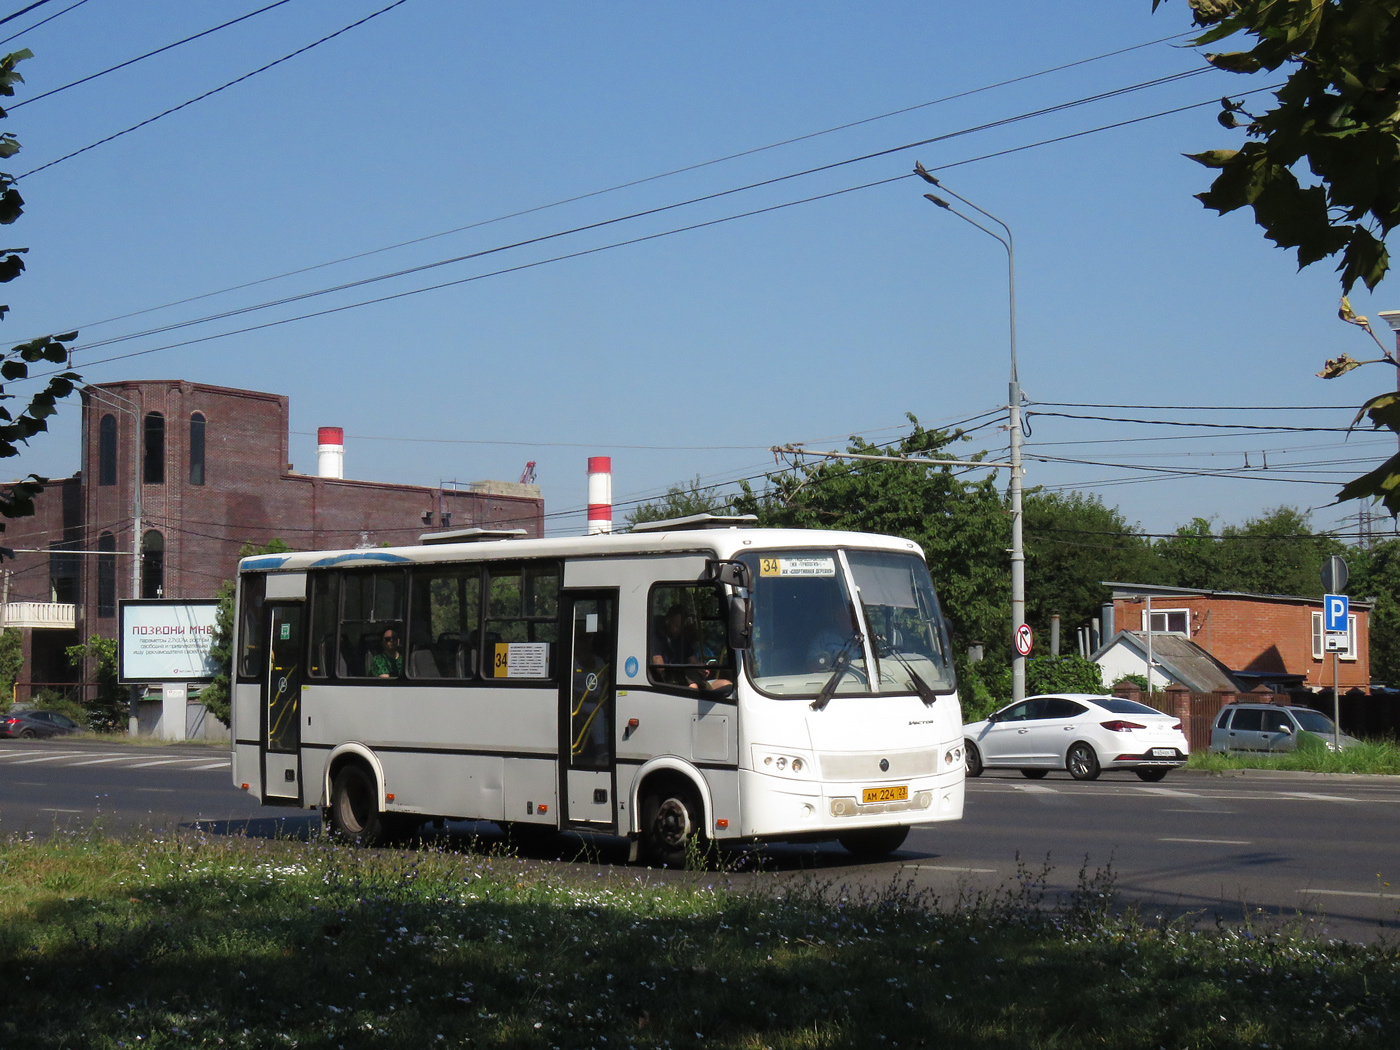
[[692, 680]]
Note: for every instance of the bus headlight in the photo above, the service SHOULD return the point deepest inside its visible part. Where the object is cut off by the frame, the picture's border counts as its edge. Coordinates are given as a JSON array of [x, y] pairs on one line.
[[953, 756], [776, 763]]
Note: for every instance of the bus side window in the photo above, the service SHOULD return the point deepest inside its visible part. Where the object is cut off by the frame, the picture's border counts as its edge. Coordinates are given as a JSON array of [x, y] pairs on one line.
[[522, 606], [252, 644], [444, 622], [324, 595], [687, 645], [371, 606]]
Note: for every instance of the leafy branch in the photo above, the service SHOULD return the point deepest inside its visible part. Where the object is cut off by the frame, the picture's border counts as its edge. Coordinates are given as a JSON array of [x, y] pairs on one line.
[[17, 498]]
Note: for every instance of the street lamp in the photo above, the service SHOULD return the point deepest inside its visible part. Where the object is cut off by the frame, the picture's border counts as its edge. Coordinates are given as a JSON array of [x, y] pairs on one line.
[[1018, 552]]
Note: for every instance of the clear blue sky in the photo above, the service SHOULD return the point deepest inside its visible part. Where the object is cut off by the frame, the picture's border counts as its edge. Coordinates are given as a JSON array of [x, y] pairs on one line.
[[693, 353]]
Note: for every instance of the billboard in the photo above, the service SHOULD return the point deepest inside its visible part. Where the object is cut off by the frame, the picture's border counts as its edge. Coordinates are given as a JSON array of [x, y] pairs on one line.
[[165, 640]]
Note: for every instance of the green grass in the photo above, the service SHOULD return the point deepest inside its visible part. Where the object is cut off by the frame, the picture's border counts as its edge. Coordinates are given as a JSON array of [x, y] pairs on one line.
[[241, 943], [1369, 756]]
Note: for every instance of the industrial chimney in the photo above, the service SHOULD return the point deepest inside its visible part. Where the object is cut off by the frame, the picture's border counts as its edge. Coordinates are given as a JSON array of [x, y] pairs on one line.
[[330, 452], [599, 494]]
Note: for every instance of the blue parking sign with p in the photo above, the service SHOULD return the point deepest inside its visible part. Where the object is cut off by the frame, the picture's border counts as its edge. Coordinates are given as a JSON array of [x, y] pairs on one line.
[[1336, 609]]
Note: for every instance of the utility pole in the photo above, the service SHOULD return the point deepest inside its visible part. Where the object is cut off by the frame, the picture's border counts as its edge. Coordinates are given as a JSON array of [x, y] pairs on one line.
[[1018, 550]]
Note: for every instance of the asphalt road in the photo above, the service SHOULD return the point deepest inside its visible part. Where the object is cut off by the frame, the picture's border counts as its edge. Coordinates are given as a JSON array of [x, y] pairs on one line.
[[1319, 850]]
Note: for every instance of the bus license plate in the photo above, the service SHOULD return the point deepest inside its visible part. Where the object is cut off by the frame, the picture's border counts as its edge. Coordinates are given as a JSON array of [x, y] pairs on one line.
[[1164, 752], [898, 793]]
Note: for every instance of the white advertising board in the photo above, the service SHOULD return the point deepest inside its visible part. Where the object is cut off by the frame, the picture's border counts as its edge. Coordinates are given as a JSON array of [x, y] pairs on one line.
[[166, 640]]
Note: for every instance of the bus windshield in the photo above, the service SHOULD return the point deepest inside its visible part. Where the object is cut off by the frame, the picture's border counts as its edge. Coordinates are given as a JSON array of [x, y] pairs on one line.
[[901, 612], [806, 626]]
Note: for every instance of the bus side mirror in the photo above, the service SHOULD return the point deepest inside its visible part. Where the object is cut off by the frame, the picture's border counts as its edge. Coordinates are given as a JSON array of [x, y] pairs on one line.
[[732, 573], [740, 623]]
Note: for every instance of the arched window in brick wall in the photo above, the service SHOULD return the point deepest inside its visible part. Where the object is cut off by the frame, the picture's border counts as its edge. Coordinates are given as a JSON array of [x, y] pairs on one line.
[[106, 575], [153, 465], [107, 450], [197, 449], [152, 565]]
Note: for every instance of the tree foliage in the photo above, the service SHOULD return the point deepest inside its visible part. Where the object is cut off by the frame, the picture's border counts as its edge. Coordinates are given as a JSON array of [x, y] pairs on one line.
[[1335, 114], [680, 501], [216, 696], [109, 709], [11, 663], [962, 525], [1074, 542], [17, 498], [1277, 553], [1375, 574], [1063, 674]]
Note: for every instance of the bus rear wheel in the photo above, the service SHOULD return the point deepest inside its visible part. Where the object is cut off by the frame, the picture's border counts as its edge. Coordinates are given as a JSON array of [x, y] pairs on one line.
[[672, 823], [354, 811], [873, 842]]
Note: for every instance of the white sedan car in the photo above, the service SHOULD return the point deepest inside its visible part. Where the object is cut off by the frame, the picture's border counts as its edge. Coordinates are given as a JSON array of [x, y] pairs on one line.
[[1080, 732]]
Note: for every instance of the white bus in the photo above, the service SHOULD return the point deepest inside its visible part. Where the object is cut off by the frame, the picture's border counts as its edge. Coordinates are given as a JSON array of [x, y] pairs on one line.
[[691, 680]]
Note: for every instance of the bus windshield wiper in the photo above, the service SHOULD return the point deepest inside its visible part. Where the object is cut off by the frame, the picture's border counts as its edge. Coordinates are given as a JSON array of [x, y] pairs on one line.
[[883, 648], [926, 694], [842, 665]]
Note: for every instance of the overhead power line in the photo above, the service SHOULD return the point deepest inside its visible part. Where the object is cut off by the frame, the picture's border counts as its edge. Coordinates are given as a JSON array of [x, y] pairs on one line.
[[148, 54], [572, 255], [1201, 408], [1273, 428], [23, 11], [214, 91], [42, 21], [633, 182], [660, 209]]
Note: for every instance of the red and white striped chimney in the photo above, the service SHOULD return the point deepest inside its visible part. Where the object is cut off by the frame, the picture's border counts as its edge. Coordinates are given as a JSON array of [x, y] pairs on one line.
[[599, 495], [330, 452]]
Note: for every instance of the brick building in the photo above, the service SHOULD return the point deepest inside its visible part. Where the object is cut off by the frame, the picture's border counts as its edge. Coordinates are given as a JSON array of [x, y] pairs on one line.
[[214, 476], [1259, 637]]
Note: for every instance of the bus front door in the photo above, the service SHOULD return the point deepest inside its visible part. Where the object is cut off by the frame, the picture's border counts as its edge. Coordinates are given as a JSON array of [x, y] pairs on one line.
[[587, 703], [281, 741]]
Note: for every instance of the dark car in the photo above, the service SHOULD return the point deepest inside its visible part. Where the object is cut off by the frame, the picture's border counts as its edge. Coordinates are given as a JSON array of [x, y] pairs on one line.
[[36, 723]]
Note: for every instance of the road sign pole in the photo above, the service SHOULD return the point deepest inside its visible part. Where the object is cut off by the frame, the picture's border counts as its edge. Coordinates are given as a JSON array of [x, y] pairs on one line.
[[1336, 702]]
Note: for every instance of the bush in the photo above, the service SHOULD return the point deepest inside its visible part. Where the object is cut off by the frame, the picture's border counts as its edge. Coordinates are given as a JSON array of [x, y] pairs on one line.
[[1062, 674], [108, 709], [53, 700], [11, 662], [1139, 680]]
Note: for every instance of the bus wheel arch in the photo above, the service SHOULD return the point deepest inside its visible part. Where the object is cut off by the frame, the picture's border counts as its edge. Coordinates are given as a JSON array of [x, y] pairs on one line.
[[355, 797], [671, 805]]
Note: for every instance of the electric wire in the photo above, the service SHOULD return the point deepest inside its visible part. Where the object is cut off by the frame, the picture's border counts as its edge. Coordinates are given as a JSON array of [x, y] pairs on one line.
[[559, 258], [1273, 428], [42, 21], [627, 185], [214, 91], [149, 54], [23, 11], [1201, 408], [603, 223]]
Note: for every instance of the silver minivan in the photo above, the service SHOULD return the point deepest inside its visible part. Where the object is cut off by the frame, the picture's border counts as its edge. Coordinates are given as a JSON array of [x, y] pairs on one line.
[[1270, 727]]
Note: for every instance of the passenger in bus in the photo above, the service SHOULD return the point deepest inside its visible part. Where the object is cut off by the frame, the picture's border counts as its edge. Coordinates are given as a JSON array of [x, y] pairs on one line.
[[389, 663]]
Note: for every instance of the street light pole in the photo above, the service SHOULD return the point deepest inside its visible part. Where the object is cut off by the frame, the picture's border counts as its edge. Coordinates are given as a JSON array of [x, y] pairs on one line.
[[1018, 551]]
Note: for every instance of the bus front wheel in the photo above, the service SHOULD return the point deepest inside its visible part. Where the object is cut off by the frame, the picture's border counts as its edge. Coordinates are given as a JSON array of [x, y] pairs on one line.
[[355, 815], [873, 842], [672, 820]]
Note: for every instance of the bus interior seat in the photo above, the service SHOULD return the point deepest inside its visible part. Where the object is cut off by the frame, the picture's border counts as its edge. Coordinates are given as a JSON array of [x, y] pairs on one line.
[[423, 664]]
